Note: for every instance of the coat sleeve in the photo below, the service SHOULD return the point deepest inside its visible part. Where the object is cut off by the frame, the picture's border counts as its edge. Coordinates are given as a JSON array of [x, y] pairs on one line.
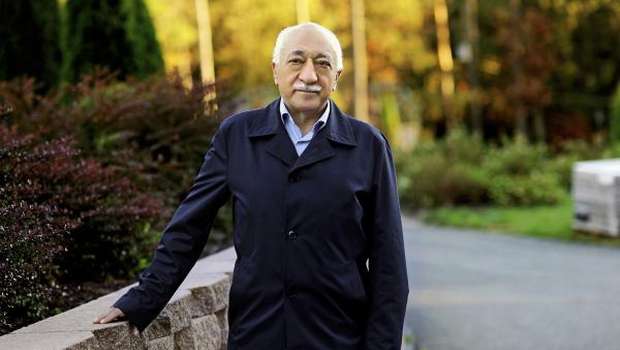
[[389, 286], [182, 240]]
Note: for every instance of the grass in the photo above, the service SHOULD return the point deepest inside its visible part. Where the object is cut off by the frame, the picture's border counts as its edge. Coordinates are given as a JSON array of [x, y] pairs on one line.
[[551, 222]]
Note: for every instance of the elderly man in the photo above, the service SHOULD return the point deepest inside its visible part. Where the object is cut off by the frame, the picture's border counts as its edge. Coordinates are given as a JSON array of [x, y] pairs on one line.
[[317, 229]]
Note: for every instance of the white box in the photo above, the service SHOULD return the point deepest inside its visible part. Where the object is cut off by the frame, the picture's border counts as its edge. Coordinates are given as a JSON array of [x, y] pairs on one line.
[[596, 196]]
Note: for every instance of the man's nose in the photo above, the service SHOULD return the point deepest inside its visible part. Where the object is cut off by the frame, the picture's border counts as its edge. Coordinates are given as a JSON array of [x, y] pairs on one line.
[[308, 73]]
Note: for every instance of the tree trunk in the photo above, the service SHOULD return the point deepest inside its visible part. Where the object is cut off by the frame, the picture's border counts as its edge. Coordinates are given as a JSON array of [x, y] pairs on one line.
[[360, 61], [205, 43], [472, 34], [303, 11], [444, 56], [517, 69]]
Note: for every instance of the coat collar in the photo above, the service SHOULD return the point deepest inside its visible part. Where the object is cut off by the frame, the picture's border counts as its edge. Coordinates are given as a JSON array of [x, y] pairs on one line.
[[337, 130]]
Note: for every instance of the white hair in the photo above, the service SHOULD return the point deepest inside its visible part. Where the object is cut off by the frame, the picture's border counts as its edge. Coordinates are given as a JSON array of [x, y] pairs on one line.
[[329, 35]]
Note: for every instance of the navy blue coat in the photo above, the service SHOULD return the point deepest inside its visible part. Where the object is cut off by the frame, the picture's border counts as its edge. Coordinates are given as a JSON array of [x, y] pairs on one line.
[[304, 229]]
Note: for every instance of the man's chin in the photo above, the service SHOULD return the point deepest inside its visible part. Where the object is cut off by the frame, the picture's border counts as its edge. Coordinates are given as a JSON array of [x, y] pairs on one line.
[[308, 107]]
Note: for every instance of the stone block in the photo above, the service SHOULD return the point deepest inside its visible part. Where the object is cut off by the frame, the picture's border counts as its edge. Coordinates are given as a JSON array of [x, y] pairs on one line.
[[204, 334], [207, 333], [184, 339], [178, 310], [118, 336], [159, 328], [222, 319], [165, 343], [210, 297]]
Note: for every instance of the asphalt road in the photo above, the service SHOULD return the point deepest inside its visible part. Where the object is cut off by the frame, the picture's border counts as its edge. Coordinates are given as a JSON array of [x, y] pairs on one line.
[[480, 291]]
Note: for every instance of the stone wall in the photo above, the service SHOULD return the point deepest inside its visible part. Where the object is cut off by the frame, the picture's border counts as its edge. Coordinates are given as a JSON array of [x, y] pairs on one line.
[[195, 318]]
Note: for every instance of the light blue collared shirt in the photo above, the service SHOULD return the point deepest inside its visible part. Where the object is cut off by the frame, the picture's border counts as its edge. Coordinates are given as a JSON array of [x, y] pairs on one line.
[[294, 132]]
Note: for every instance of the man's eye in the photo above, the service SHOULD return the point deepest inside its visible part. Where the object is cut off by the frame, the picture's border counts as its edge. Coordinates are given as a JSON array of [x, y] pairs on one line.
[[295, 60], [324, 64]]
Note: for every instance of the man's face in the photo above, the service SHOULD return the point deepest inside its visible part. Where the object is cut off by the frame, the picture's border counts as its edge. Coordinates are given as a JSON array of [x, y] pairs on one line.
[[306, 73]]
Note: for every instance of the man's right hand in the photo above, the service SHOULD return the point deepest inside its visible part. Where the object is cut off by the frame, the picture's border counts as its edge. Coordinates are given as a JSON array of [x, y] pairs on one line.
[[115, 314]]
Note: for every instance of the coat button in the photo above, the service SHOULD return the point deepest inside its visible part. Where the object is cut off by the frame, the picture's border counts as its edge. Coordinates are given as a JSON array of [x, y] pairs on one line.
[[291, 234], [294, 178]]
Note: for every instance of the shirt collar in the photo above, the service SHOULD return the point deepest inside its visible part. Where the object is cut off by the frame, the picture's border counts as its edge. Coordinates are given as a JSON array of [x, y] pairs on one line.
[[284, 114]]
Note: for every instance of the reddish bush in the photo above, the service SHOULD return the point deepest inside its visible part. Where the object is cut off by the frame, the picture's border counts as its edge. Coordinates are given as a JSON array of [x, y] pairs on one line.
[[62, 218], [142, 137], [153, 131]]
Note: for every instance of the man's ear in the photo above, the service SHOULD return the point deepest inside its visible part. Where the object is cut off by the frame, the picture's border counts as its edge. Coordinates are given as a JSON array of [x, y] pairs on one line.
[[275, 73], [336, 80]]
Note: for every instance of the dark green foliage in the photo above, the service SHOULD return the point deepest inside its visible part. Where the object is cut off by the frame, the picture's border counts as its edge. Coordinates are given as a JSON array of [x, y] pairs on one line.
[[443, 172], [117, 34], [462, 170], [147, 58], [596, 51], [95, 35], [29, 36], [517, 175], [614, 123]]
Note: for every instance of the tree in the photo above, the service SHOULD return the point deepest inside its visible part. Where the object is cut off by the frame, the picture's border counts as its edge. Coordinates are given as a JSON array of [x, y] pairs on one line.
[[117, 34], [205, 44], [469, 55], [596, 51], [303, 11], [614, 120], [360, 60], [147, 58], [521, 90], [29, 40]]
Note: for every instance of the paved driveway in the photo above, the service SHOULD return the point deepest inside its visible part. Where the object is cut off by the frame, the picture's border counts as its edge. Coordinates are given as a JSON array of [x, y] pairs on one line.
[[481, 291]]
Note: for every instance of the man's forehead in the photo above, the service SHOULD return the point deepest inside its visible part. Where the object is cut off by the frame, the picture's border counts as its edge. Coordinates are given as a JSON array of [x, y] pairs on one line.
[[305, 52], [308, 42]]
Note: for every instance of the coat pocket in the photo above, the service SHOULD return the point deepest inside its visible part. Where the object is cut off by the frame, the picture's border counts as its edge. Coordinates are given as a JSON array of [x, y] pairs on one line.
[[240, 290], [344, 298], [349, 278]]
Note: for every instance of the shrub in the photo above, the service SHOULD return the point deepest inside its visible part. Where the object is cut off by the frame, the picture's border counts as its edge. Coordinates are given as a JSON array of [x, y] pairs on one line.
[[417, 178], [22, 24], [462, 170], [614, 117], [561, 163], [140, 145], [125, 26], [519, 175], [535, 188], [514, 157], [443, 172], [154, 131], [62, 218]]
